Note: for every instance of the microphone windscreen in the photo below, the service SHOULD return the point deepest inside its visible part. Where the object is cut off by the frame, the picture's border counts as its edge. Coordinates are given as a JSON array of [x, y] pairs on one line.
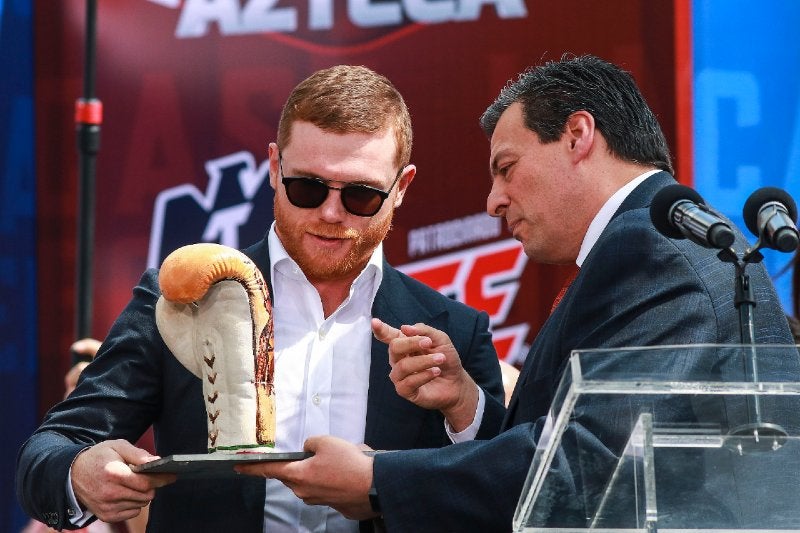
[[763, 196], [662, 205]]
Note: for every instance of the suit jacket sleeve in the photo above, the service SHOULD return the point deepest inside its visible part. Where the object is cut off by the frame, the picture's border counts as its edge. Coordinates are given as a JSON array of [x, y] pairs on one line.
[[116, 398]]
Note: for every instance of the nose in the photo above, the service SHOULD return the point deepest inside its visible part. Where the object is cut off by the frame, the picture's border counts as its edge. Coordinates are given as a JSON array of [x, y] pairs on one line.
[[332, 210], [496, 201]]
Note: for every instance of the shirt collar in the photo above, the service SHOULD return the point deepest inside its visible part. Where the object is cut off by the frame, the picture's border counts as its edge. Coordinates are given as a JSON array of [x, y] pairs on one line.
[[603, 217]]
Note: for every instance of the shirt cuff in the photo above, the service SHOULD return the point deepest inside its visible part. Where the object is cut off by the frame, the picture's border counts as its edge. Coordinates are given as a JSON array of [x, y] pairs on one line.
[[470, 431], [76, 515]]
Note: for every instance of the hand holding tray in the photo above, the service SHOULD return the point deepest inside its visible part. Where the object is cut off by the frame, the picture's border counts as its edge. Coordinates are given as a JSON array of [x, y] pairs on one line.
[[215, 465]]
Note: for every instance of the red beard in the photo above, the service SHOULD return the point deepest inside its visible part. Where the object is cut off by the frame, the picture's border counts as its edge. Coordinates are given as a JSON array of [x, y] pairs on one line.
[[317, 265]]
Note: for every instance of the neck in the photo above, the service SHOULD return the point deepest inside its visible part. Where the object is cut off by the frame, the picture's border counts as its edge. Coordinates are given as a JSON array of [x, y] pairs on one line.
[[332, 293], [605, 181]]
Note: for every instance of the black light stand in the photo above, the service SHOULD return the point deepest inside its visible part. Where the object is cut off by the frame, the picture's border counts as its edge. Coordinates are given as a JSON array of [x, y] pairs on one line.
[[88, 118]]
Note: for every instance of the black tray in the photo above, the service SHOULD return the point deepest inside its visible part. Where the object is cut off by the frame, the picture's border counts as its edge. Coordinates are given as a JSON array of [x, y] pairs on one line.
[[211, 465]]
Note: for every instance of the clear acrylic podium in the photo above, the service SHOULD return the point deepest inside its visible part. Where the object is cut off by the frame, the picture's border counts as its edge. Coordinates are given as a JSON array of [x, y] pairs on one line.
[[670, 439]]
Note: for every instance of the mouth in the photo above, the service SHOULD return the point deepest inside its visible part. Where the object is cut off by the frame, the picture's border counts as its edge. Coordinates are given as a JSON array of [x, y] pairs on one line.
[[330, 236], [512, 226], [327, 239]]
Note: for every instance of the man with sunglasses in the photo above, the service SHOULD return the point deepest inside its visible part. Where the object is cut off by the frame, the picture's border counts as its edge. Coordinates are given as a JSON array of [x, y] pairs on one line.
[[339, 169]]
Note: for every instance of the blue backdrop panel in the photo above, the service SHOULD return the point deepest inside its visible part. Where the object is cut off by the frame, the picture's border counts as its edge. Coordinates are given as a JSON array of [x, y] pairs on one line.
[[747, 107], [18, 394]]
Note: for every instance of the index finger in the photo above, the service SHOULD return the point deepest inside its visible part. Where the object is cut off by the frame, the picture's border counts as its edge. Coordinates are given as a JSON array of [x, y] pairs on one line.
[[424, 330]]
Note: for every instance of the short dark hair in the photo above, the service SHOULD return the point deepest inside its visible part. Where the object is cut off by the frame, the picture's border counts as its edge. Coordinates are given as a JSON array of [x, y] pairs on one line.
[[552, 92]]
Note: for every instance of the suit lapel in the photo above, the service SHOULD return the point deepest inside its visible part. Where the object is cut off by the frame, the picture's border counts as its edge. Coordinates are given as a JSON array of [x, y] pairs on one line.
[[259, 253]]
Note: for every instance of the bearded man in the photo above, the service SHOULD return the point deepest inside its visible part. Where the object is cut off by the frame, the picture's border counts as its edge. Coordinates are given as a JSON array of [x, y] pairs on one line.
[[339, 169]]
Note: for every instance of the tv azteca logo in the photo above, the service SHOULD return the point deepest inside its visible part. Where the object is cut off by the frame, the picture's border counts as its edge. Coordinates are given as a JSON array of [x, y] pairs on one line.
[[236, 210], [234, 17]]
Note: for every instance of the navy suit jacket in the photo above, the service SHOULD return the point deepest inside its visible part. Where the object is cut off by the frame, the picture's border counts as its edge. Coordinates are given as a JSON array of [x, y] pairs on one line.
[[135, 381], [635, 288]]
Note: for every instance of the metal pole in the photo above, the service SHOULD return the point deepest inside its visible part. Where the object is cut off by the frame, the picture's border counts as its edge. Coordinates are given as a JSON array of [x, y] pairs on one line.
[[88, 118]]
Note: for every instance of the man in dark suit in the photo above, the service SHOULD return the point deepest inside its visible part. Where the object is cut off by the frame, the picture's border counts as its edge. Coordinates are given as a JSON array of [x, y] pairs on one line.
[[576, 159], [339, 168]]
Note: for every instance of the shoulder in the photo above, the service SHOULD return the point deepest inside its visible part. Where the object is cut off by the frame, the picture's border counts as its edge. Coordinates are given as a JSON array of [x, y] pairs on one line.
[[630, 241], [258, 250], [633, 261], [631, 234], [149, 280]]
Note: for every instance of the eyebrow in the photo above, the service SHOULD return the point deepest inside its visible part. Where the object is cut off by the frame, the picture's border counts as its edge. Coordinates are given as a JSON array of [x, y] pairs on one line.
[[493, 165]]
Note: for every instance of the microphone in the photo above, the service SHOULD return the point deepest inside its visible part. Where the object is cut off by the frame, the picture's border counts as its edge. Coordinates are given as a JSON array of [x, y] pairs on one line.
[[770, 213], [679, 212]]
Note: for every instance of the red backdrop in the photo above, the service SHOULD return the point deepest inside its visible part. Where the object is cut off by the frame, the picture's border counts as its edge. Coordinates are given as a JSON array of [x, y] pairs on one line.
[[173, 103]]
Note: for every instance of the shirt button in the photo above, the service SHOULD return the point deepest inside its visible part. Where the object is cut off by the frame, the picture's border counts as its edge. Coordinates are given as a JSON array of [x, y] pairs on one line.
[[315, 399], [322, 334], [70, 512]]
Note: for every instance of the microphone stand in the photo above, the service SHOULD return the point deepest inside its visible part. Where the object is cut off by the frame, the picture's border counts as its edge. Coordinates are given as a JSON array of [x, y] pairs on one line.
[[756, 435]]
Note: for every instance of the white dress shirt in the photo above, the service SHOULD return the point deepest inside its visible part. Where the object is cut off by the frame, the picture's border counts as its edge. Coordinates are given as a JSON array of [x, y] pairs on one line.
[[321, 377]]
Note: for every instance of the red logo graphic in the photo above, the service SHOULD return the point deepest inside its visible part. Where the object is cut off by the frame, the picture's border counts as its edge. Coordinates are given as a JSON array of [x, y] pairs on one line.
[[486, 278]]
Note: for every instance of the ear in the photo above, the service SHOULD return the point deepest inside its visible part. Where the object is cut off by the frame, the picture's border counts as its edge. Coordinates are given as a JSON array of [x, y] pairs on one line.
[[402, 184], [580, 134], [273, 165]]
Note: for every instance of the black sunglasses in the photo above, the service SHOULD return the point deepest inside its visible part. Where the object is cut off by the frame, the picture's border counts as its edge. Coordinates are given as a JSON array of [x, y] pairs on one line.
[[308, 193]]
